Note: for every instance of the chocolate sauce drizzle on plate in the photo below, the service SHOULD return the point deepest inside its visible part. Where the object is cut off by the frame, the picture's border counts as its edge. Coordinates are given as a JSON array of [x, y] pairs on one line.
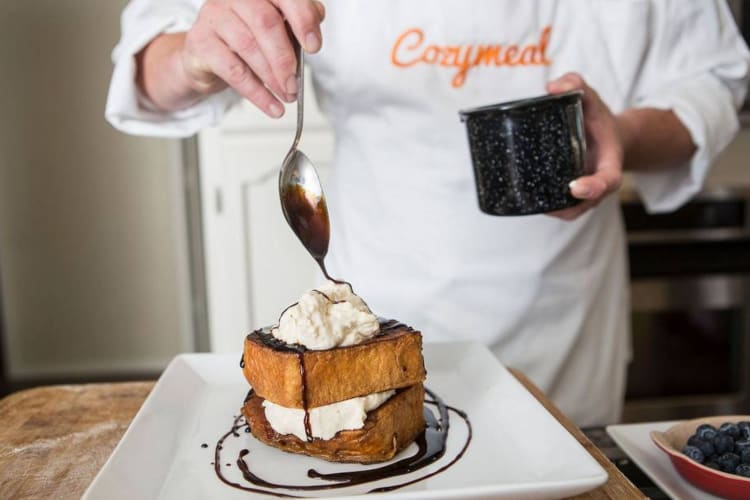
[[431, 444]]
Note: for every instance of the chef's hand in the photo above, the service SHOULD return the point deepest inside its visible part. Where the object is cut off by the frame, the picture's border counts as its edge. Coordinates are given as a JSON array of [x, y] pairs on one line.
[[604, 148], [245, 44]]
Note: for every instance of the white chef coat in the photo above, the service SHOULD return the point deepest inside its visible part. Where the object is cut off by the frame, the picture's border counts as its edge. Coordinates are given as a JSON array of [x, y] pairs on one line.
[[547, 296]]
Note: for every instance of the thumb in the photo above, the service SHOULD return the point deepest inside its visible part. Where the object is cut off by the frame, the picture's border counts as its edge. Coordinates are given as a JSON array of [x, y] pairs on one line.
[[566, 83], [588, 188]]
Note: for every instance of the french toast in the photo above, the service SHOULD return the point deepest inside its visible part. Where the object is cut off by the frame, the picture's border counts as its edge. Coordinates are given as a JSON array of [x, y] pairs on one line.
[[390, 360], [387, 430]]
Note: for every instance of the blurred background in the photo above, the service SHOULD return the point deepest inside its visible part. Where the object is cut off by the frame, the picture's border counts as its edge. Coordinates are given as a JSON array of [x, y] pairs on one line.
[[104, 269], [117, 252], [92, 222]]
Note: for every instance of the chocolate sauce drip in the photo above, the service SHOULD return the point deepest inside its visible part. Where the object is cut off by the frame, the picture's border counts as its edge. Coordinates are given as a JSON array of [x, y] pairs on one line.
[[242, 360], [264, 334], [303, 376], [269, 340], [387, 325], [329, 299], [249, 395], [322, 265], [285, 310], [431, 445]]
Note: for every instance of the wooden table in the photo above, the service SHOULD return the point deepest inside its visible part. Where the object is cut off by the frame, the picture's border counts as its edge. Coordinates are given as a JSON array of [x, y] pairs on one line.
[[53, 440]]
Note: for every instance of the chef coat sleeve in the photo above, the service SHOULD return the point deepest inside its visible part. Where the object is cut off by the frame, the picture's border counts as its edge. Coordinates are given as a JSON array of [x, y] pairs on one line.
[[127, 108], [697, 66]]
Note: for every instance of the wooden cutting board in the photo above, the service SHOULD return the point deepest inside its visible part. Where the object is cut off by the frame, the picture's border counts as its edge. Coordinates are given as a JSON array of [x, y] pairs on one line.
[[53, 440]]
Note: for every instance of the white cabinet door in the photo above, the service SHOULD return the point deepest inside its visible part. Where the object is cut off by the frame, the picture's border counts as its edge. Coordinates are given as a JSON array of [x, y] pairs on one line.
[[255, 266]]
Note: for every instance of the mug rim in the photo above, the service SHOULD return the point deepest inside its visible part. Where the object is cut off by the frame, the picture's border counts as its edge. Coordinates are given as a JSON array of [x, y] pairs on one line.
[[520, 103]]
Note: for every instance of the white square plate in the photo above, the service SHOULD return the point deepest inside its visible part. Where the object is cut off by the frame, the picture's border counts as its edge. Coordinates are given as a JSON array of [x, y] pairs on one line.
[[518, 449], [635, 441]]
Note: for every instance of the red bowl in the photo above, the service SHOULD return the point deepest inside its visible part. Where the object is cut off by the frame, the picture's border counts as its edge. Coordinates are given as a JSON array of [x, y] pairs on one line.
[[719, 483]]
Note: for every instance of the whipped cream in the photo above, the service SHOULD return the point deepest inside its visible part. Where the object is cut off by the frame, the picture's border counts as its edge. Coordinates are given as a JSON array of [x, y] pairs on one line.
[[325, 421], [327, 317]]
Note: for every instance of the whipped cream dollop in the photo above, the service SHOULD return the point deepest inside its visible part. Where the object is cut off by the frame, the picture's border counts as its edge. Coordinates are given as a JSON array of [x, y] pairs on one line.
[[325, 421], [327, 317]]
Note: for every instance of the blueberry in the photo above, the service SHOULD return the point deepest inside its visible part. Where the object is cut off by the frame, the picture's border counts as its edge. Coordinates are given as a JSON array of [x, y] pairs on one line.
[[728, 462], [713, 464], [744, 429], [743, 470], [723, 443], [706, 432], [695, 454], [745, 456], [705, 446], [731, 429], [741, 445]]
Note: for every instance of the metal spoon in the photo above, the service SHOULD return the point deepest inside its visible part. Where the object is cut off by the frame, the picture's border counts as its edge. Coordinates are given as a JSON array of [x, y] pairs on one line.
[[302, 198]]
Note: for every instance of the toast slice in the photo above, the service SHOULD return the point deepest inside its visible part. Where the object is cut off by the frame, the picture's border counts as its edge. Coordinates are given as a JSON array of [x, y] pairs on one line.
[[388, 429], [390, 360]]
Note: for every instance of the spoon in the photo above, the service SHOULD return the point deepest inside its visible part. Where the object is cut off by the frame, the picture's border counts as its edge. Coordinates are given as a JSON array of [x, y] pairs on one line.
[[302, 200]]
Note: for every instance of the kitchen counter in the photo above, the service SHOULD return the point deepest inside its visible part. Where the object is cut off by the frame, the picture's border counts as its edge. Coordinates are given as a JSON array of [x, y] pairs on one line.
[[55, 439]]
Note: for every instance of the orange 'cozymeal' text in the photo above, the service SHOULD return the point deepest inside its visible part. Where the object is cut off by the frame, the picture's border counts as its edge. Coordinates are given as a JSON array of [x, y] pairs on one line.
[[410, 49]]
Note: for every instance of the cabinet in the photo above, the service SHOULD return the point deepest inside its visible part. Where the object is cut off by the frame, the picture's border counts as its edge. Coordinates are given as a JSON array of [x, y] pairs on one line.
[[254, 264]]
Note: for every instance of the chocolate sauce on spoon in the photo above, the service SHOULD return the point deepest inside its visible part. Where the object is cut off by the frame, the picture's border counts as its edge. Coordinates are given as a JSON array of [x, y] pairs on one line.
[[308, 217]]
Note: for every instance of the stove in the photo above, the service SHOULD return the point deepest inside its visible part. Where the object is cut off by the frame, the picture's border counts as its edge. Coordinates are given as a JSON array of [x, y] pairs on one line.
[[600, 438], [690, 308]]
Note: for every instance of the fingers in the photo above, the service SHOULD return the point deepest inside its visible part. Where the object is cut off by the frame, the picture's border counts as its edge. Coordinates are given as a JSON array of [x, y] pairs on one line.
[[269, 31], [247, 44], [566, 83], [267, 24], [604, 157], [573, 81], [238, 37], [321, 9], [233, 70], [304, 17], [593, 187]]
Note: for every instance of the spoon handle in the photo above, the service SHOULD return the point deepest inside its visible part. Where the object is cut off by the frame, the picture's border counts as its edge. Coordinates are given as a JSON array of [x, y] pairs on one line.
[[300, 93]]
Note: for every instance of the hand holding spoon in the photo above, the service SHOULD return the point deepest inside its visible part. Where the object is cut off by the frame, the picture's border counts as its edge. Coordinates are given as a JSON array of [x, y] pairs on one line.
[[302, 198]]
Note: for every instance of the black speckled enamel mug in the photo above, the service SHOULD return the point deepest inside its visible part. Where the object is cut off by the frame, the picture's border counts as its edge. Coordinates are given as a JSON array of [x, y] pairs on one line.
[[526, 152]]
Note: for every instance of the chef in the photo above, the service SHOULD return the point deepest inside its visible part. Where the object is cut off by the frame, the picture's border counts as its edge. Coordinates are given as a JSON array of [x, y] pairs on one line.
[[662, 80]]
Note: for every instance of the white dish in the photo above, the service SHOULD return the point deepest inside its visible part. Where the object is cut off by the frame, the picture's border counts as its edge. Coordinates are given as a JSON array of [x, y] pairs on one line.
[[518, 449], [635, 441]]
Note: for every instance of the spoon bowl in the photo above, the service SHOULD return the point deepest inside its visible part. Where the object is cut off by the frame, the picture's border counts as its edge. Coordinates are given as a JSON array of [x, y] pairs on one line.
[[304, 205]]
